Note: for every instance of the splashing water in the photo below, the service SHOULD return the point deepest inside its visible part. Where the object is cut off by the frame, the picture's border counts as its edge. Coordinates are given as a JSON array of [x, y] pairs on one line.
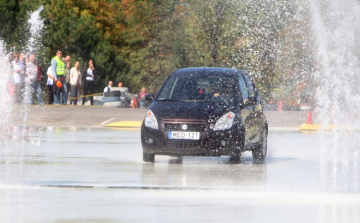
[[5, 89], [5, 103], [36, 25], [12, 137], [336, 33], [336, 30]]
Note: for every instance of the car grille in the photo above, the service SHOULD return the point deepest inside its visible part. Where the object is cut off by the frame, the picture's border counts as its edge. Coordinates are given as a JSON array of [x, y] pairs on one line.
[[183, 144], [177, 127]]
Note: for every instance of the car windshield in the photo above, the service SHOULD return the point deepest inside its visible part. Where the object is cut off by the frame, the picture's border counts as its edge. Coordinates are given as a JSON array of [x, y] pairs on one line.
[[197, 89]]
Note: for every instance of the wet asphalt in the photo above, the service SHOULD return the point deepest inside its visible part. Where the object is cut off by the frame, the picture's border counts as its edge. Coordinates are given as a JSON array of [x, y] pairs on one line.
[[98, 116], [95, 174]]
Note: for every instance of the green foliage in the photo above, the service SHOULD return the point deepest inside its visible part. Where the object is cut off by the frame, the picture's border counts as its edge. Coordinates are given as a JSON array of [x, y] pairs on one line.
[[141, 42], [71, 27], [151, 49], [13, 27]]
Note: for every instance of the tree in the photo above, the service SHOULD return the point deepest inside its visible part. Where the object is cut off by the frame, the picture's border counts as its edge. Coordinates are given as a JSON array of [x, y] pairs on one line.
[[73, 27], [14, 29], [152, 34], [140, 42], [270, 34]]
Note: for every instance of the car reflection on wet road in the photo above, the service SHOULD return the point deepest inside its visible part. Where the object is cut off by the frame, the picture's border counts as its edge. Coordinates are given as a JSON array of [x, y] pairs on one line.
[[101, 171]]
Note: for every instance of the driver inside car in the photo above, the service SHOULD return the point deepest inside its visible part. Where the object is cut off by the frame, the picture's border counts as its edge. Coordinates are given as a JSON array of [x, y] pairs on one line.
[[220, 94]]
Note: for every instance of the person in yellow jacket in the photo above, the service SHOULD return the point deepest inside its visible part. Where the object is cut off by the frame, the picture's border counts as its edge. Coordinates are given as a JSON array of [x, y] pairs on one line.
[[58, 68]]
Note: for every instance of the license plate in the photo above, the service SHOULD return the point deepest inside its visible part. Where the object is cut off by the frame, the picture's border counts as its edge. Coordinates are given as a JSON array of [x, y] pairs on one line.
[[184, 135]]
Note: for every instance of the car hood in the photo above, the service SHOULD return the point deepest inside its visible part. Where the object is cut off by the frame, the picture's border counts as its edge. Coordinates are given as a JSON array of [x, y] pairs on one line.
[[189, 110]]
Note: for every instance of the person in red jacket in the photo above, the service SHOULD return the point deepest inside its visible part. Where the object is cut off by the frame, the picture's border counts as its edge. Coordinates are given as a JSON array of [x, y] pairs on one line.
[[38, 86]]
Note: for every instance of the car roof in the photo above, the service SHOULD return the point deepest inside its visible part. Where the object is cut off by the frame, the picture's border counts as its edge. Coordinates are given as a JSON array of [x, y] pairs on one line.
[[204, 71]]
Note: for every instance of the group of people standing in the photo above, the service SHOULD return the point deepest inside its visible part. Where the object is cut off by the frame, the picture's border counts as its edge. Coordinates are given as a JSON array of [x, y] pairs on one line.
[[62, 78], [27, 79]]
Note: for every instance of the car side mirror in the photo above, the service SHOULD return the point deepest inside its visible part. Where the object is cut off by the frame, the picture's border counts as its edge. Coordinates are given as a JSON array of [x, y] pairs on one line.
[[149, 97], [250, 102]]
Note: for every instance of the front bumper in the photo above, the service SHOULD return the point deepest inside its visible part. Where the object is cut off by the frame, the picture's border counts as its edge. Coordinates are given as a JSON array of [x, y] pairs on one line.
[[211, 143]]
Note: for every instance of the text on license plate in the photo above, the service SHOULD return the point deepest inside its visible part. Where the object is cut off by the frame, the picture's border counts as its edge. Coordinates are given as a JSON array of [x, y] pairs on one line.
[[184, 135]]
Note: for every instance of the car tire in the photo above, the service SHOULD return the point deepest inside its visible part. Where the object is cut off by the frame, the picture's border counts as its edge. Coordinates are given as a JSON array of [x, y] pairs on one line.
[[148, 157], [259, 152], [235, 157]]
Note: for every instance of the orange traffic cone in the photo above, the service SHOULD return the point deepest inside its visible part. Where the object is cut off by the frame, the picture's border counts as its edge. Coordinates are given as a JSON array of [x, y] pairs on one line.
[[309, 119], [132, 102], [280, 106]]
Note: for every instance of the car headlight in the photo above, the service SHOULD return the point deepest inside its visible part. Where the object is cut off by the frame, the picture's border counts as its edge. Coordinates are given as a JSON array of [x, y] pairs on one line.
[[225, 121], [150, 120]]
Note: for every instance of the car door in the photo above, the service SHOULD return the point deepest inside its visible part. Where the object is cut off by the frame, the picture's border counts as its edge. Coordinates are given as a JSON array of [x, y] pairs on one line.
[[247, 112], [257, 107]]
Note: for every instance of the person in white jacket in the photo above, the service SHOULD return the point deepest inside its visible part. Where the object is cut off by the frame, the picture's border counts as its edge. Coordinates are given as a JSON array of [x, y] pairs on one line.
[[108, 88], [75, 81], [50, 85], [18, 69]]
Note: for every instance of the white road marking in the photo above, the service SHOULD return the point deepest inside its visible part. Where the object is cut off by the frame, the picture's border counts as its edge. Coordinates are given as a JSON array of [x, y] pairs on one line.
[[107, 121]]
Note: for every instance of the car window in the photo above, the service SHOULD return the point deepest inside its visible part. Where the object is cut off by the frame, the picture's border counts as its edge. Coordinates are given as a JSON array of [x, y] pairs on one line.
[[197, 88], [244, 90], [250, 86]]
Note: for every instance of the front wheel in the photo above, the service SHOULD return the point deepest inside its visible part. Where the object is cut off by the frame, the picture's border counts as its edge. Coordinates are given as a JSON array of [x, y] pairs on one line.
[[235, 157], [259, 152], [148, 157]]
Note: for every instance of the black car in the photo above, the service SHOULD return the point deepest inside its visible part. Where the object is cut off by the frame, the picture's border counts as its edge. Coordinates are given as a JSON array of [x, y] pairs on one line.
[[205, 112]]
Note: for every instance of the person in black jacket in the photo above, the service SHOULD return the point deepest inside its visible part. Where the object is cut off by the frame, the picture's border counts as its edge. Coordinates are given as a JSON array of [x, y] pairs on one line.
[[90, 77]]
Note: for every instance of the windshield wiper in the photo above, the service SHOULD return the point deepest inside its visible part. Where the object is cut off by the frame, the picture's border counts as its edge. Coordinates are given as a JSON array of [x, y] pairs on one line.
[[165, 99], [202, 101]]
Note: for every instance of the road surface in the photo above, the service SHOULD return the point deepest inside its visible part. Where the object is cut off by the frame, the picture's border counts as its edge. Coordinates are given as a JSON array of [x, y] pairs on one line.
[[87, 174]]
